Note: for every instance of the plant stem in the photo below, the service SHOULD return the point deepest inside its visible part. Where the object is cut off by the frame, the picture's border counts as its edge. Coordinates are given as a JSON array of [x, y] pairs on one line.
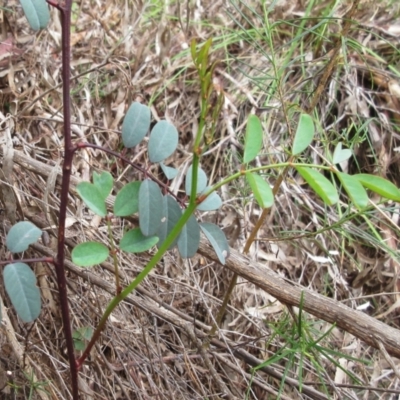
[[65, 10]]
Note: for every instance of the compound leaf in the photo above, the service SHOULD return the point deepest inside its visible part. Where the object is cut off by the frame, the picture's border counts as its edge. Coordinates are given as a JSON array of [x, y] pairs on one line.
[[150, 207], [379, 185], [163, 141], [322, 186], [36, 12], [261, 190], [354, 189], [127, 200], [189, 239], [92, 197], [103, 182], [217, 239], [171, 213], [89, 253], [20, 284], [253, 139], [201, 181], [136, 124], [304, 134], [21, 235], [134, 241]]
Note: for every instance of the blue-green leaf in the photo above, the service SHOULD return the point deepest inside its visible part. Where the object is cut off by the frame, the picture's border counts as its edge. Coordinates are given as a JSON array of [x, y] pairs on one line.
[[92, 197], [150, 207], [20, 284], [354, 189], [320, 184], [21, 235], [217, 239], [134, 241], [163, 141], [89, 253], [201, 181], [253, 140], [127, 200], [189, 239], [136, 124], [211, 203], [379, 185], [103, 182], [340, 154], [80, 336], [304, 134], [261, 190], [169, 172], [36, 12], [170, 216]]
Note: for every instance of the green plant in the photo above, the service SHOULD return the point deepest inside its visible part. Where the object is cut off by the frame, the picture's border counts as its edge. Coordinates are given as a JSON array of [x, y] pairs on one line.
[[164, 220]]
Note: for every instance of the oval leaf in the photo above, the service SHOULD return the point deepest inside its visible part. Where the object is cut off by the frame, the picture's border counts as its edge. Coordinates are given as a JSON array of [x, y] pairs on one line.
[[127, 200], [134, 241], [89, 253], [163, 141], [217, 239], [21, 235], [201, 181], [103, 182], [379, 185], [189, 239], [340, 155], [253, 140], [354, 189], [136, 124], [211, 203], [261, 190], [322, 186], [170, 216], [36, 12], [150, 207], [92, 197], [304, 134], [20, 284], [169, 172]]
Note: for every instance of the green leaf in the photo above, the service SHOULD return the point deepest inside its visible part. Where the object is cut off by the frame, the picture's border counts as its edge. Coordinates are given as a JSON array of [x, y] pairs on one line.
[[170, 216], [92, 197], [36, 12], [189, 239], [21, 235], [340, 155], [261, 190], [150, 207], [127, 200], [169, 172], [136, 124], [211, 203], [80, 336], [201, 181], [253, 140], [354, 189], [217, 239], [103, 182], [89, 253], [134, 241], [20, 284], [163, 141], [379, 185], [304, 134], [322, 186]]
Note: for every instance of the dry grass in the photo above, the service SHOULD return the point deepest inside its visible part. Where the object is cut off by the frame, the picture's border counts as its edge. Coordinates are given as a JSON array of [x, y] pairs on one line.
[[270, 64]]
